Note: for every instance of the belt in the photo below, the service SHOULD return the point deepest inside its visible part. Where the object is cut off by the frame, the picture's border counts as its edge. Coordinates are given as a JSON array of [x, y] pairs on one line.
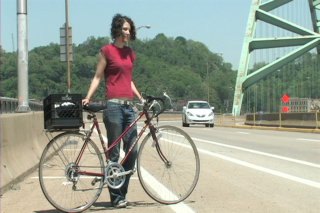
[[119, 101]]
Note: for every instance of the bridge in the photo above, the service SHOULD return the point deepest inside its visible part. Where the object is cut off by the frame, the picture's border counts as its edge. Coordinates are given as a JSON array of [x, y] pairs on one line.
[[275, 47], [279, 36]]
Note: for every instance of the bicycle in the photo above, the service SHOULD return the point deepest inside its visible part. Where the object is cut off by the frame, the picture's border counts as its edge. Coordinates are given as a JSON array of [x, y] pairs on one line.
[[72, 173]]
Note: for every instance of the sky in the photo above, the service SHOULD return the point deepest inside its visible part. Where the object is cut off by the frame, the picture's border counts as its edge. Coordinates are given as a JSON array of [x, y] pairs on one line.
[[218, 24]]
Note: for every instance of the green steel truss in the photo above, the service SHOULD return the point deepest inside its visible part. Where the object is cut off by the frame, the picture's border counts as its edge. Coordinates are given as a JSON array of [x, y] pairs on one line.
[[306, 39]]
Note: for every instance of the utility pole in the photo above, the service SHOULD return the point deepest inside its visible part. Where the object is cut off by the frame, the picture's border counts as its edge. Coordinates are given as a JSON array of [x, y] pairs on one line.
[[23, 89], [67, 43], [208, 80]]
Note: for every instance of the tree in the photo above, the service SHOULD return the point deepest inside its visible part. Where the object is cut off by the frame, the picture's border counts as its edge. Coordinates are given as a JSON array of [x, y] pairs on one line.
[[175, 65]]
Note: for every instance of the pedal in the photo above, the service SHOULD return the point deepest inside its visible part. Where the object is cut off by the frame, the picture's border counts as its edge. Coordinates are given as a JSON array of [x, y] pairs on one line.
[[133, 170], [95, 180]]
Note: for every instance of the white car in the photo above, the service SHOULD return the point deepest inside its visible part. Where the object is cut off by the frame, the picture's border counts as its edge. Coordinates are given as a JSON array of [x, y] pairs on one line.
[[198, 112]]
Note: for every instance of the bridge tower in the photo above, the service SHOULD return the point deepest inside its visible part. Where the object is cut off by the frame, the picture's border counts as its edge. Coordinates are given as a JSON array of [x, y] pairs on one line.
[[300, 37]]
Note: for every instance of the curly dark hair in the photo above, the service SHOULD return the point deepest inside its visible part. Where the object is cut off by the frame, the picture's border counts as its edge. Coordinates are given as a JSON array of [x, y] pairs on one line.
[[116, 26]]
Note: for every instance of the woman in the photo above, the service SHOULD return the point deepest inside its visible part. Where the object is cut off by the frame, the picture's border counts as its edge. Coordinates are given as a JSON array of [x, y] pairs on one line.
[[116, 64]]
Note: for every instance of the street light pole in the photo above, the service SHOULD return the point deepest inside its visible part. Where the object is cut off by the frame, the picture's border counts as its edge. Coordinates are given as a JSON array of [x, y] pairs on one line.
[[146, 26], [209, 76], [138, 28], [22, 21], [208, 79]]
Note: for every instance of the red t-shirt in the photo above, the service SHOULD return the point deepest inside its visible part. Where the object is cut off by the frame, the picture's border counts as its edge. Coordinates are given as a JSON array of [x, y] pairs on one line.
[[118, 72]]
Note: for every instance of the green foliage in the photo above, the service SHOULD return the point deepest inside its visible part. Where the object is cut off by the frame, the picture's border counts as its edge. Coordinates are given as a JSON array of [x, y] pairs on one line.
[[181, 67]]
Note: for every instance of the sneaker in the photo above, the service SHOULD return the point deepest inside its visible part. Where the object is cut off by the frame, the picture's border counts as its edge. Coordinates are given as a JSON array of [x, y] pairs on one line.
[[121, 204]]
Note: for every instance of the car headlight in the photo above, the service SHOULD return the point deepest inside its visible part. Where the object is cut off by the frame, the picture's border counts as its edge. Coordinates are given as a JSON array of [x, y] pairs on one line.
[[211, 114], [189, 114]]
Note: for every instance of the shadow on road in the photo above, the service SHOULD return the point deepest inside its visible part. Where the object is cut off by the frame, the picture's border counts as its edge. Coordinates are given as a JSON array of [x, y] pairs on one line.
[[102, 206]]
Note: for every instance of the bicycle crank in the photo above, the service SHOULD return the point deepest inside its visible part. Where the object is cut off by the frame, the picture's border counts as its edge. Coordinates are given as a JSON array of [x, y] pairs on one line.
[[115, 175]]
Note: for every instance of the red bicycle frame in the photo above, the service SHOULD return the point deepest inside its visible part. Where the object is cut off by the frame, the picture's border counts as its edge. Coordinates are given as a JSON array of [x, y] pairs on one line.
[[148, 123]]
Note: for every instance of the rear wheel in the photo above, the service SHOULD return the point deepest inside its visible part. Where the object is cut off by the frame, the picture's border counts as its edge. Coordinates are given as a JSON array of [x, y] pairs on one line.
[[63, 187], [168, 172]]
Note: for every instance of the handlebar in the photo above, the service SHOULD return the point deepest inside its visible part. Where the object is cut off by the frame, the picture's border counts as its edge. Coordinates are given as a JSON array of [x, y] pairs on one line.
[[152, 100]]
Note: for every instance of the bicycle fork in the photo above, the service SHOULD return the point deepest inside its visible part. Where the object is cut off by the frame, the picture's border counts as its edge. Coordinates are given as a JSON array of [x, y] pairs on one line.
[[156, 144]]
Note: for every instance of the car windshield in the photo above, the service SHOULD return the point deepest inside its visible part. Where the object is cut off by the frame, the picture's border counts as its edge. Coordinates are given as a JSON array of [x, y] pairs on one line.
[[198, 106]]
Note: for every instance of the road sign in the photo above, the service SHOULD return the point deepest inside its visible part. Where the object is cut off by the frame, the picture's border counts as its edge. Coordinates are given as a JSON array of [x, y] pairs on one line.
[[285, 109], [63, 44], [285, 98]]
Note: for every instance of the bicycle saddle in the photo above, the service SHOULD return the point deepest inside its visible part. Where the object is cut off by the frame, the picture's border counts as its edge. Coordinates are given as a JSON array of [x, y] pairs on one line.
[[94, 107]]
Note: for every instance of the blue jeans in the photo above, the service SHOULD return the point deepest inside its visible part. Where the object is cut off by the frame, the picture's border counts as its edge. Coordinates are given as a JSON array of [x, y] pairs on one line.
[[117, 117]]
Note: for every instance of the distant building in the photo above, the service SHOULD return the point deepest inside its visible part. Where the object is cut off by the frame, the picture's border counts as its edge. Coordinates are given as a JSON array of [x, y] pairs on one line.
[[302, 105]]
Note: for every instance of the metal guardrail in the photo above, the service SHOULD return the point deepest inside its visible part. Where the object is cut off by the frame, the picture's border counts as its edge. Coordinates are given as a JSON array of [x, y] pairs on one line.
[[9, 105]]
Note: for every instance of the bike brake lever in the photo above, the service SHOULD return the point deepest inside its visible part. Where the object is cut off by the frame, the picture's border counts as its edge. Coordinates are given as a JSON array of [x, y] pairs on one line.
[[167, 96], [154, 102]]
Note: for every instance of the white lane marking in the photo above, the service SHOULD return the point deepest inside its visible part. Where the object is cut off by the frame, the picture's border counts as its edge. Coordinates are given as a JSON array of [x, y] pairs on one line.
[[270, 171], [302, 139], [156, 185], [50, 177], [246, 133], [82, 177], [261, 153], [260, 168]]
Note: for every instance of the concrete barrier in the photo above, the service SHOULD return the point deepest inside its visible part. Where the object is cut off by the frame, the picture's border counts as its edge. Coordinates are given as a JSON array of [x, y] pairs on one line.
[[291, 120], [23, 141]]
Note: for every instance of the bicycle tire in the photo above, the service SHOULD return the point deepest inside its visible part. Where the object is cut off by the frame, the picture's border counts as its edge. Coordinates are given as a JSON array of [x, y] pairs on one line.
[[54, 170], [174, 182]]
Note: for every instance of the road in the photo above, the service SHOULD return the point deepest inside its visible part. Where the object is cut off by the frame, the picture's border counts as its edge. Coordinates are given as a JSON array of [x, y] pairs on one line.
[[242, 170]]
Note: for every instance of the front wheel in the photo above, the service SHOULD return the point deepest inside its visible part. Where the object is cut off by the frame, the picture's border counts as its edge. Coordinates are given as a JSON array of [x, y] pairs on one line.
[[63, 187], [169, 171], [185, 124]]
